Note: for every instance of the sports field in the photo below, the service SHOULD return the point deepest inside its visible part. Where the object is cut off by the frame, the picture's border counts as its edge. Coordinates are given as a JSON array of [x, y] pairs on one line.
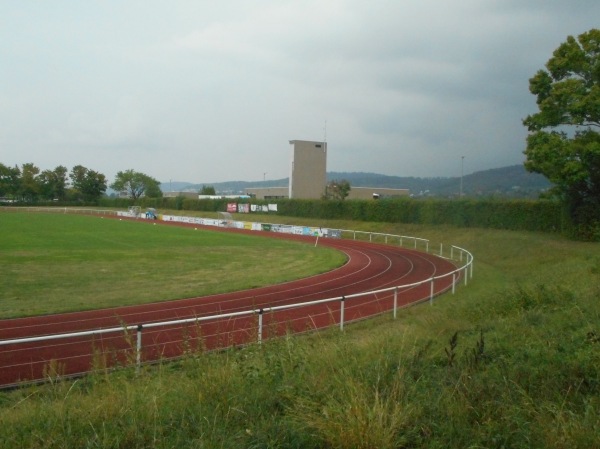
[[227, 318], [54, 263]]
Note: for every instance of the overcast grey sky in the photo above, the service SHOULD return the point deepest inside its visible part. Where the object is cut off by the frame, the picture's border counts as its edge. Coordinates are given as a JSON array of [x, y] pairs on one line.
[[207, 91]]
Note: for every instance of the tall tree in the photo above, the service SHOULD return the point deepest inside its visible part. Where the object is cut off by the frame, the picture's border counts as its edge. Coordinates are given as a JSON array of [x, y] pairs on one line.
[[53, 183], [208, 190], [136, 184], [153, 189], [10, 181], [337, 189], [88, 185], [29, 188], [564, 143]]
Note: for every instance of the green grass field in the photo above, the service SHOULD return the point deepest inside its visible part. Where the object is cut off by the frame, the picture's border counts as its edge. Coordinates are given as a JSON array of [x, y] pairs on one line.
[[510, 361], [56, 263]]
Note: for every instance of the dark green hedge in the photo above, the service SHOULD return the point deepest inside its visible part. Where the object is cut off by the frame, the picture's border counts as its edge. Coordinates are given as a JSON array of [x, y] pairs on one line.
[[539, 215], [523, 215]]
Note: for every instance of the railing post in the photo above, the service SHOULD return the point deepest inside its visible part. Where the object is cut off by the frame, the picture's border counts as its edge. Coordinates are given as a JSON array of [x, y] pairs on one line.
[[466, 273], [451, 252], [138, 349], [453, 282], [395, 302], [342, 301], [431, 291], [260, 326]]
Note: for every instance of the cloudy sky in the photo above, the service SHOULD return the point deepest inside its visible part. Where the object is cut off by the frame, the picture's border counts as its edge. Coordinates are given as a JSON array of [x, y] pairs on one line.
[[207, 91]]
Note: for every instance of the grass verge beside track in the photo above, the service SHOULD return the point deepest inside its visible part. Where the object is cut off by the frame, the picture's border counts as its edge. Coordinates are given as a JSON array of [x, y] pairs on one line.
[[57, 263]]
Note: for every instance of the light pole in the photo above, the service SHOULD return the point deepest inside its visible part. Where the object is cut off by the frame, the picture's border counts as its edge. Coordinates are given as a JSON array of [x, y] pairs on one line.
[[462, 172]]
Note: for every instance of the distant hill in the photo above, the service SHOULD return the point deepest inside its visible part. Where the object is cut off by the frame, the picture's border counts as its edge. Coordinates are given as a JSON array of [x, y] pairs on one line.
[[512, 181]]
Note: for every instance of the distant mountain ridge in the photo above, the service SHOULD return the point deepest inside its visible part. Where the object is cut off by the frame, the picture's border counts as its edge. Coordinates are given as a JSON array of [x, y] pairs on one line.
[[511, 181]]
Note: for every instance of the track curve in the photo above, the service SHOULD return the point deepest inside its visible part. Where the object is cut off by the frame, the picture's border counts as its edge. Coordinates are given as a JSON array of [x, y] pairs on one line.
[[369, 267]]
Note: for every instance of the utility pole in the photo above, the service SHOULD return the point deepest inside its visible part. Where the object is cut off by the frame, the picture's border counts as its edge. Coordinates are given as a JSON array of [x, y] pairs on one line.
[[462, 172]]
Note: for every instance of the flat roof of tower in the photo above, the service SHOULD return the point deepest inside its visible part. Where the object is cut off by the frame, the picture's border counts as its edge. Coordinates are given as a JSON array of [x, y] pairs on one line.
[[308, 141]]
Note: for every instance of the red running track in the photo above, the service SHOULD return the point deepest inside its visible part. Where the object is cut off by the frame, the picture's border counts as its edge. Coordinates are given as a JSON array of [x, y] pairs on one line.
[[369, 267]]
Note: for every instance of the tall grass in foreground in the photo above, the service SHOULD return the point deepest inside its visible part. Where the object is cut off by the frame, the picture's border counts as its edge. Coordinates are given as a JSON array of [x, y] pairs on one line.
[[512, 360]]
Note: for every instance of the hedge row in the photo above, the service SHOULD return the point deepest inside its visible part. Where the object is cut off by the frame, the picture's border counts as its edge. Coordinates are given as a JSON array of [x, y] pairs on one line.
[[547, 216], [522, 215]]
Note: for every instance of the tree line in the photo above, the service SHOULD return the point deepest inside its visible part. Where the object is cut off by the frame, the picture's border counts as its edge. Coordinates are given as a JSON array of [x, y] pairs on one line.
[[30, 184]]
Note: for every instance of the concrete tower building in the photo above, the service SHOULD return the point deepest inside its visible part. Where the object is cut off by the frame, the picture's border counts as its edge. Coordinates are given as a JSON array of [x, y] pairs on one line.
[[308, 177], [308, 171]]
